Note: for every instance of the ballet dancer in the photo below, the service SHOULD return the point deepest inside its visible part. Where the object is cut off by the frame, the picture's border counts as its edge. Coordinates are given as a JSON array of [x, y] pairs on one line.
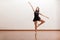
[[36, 17]]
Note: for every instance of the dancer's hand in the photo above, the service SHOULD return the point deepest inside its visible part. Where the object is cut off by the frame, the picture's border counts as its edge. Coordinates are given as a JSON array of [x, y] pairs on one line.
[[47, 17]]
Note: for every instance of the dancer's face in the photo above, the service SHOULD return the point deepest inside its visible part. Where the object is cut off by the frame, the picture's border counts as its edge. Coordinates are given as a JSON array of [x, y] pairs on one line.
[[37, 8]]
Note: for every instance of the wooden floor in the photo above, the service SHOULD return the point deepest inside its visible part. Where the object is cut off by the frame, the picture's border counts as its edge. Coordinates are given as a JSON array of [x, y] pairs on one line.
[[29, 35]]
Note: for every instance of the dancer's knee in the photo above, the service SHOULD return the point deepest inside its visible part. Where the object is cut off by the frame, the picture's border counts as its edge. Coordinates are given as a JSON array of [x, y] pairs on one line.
[[43, 21]]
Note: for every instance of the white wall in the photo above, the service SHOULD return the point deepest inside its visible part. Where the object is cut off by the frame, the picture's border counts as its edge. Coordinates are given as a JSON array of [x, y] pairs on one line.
[[17, 14], [58, 14]]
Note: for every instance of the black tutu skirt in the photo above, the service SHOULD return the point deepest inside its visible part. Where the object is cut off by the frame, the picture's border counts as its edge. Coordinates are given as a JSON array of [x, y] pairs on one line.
[[36, 19]]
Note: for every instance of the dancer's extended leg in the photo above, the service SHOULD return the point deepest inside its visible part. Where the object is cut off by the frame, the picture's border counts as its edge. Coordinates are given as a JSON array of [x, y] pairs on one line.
[[42, 21]]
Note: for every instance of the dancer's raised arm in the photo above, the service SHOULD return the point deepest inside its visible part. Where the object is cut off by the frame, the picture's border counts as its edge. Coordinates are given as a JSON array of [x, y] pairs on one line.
[[31, 6]]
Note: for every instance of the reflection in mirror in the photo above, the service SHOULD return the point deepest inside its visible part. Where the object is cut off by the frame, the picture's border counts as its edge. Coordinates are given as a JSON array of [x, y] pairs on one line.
[[35, 35]]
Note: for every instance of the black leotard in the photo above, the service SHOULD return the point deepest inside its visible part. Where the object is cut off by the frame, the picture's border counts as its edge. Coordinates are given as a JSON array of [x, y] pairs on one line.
[[36, 16]]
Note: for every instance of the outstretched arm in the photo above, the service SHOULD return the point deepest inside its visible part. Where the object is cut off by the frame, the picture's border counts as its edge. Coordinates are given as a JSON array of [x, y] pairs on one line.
[[31, 6], [44, 15]]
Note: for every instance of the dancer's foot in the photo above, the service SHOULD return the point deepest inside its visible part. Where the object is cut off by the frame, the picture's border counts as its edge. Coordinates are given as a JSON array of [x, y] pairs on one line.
[[35, 30], [39, 25]]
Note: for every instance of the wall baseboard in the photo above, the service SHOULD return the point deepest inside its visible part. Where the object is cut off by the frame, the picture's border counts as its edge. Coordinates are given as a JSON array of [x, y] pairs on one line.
[[30, 30]]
